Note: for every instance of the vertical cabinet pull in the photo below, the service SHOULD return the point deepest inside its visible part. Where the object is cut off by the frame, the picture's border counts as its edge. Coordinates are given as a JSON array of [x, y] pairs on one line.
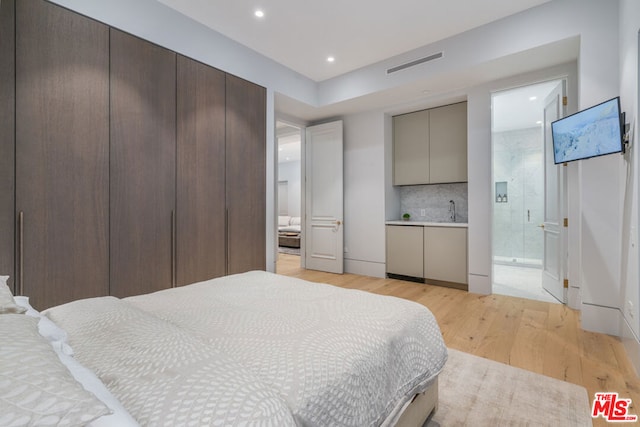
[[21, 253], [226, 240], [173, 249]]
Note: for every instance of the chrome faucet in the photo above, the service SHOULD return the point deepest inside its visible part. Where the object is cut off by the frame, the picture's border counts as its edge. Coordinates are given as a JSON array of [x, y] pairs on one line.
[[452, 210]]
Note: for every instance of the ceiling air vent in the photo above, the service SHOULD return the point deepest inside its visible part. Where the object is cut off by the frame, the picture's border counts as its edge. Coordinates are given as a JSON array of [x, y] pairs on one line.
[[414, 63]]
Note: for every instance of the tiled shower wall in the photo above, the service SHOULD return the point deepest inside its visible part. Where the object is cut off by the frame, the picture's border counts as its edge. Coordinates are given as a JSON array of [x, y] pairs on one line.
[[518, 162], [434, 200]]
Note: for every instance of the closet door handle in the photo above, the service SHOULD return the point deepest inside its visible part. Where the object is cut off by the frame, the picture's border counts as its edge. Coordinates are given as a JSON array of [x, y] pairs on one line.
[[226, 240], [173, 249], [21, 253]]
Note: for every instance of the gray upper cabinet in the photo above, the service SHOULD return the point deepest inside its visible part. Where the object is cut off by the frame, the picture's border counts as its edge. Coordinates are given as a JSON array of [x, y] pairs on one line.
[[411, 148], [430, 146], [62, 154], [448, 143]]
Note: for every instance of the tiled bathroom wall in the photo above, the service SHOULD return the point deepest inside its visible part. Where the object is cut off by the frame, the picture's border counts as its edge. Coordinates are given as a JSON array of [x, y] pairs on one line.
[[519, 174], [431, 202]]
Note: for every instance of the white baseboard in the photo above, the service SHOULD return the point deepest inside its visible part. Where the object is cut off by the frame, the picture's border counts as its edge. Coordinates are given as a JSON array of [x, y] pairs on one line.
[[597, 318], [631, 345], [365, 268], [479, 284]]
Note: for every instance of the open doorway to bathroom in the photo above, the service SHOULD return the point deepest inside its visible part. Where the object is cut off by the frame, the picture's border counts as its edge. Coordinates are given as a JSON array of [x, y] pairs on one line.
[[289, 192], [518, 190]]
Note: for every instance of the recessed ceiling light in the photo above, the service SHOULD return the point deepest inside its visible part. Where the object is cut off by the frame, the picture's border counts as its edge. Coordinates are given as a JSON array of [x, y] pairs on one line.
[[533, 98], [259, 13], [539, 122], [331, 59]]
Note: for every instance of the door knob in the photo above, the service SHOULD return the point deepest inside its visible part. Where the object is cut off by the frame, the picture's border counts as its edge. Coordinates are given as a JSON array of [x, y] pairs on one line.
[[541, 226]]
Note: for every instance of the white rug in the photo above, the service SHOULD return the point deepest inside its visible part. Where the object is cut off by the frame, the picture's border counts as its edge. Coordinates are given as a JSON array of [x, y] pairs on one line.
[[480, 392]]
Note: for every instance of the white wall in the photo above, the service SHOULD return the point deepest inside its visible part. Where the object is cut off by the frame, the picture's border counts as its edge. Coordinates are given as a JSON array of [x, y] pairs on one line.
[[629, 93], [364, 193], [290, 172]]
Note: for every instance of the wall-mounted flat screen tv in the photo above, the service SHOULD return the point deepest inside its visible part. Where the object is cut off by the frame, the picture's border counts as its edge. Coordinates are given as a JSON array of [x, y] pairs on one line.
[[592, 132]]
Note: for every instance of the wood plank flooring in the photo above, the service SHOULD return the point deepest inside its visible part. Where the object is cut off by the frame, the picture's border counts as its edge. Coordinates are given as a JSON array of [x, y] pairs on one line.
[[537, 336]]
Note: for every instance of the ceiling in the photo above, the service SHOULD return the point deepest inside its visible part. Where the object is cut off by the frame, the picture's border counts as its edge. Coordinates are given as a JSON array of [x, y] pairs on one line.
[[358, 33], [520, 108], [302, 34]]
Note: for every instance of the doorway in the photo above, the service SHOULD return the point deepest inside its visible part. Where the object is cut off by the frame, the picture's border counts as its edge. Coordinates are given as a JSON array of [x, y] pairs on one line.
[[289, 193], [518, 159]]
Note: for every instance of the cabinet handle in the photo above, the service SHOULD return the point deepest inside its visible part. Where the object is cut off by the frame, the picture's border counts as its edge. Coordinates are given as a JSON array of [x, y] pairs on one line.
[[173, 249], [21, 253], [226, 240]]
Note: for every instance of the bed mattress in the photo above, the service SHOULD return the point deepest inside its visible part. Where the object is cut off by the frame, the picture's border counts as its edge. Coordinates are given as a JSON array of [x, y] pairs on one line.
[[338, 357]]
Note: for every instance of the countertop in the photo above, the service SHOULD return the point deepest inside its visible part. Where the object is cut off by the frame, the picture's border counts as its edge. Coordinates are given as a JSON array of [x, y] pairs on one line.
[[428, 224]]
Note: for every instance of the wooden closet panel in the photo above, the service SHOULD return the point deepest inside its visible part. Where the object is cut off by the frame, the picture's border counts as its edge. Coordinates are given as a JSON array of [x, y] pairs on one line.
[[246, 172], [143, 150], [201, 247], [7, 139], [62, 152]]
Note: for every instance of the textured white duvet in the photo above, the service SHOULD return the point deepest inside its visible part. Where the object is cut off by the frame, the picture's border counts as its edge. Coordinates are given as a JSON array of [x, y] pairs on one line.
[[162, 374], [337, 357]]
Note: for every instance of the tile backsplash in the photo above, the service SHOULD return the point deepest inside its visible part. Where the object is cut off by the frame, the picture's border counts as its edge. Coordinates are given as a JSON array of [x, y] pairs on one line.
[[434, 199]]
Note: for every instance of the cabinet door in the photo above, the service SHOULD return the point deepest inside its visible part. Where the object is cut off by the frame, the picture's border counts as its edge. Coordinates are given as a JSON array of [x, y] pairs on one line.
[[62, 153], [7, 139], [411, 148], [200, 209], [445, 254], [448, 143], [143, 154], [405, 250], [246, 175]]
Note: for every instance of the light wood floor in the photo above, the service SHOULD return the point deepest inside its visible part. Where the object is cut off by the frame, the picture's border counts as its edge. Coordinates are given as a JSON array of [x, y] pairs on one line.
[[537, 336]]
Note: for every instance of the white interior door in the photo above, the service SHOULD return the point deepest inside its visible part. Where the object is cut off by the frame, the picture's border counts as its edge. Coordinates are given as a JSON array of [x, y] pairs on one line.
[[324, 198], [555, 248]]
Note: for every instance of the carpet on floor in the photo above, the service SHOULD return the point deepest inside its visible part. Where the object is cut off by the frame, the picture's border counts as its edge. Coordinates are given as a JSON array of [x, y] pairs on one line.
[[474, 391]]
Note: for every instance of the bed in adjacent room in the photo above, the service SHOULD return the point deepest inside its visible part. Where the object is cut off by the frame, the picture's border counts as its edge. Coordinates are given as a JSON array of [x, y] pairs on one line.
[[260, 349]]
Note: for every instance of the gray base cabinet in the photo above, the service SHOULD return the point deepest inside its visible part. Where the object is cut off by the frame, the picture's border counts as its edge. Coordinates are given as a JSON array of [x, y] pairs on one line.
[[405, 250], [436, 254], [445, 254]]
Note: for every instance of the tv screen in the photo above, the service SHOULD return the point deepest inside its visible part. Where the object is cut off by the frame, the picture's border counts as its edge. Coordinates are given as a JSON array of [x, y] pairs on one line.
[[593, 132]]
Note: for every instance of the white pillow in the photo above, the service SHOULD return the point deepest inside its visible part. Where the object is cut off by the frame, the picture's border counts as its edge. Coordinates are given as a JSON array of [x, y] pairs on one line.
[[58, 337], [283, 220], [7, 303], [35, 387], [295, 220], [52, 332]]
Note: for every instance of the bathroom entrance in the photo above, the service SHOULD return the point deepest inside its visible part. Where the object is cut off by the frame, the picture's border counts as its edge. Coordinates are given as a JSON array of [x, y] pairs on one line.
[[518, 159]]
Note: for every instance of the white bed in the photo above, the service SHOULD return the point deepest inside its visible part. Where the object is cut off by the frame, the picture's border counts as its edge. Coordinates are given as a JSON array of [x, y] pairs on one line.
[[260, 349]]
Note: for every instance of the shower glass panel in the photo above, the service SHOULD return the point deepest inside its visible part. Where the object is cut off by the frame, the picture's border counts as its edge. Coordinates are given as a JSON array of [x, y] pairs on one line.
[[518, 196]]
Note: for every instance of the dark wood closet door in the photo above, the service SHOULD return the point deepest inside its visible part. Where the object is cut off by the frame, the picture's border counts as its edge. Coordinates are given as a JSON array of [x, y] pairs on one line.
[[7, 140], [62, 153], [143, 153], [246, 171], [200, 219]]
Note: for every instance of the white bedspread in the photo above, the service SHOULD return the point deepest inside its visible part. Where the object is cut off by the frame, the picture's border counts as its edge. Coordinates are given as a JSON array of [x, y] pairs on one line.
[[163, 374], [338, 357]]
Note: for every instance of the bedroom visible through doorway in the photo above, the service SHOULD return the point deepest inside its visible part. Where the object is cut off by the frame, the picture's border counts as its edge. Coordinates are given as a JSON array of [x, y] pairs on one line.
[[289, 140]]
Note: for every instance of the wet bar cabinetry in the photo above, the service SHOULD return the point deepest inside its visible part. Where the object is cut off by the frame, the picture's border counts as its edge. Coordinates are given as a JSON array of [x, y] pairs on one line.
[[433, 252], [430, 146]]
